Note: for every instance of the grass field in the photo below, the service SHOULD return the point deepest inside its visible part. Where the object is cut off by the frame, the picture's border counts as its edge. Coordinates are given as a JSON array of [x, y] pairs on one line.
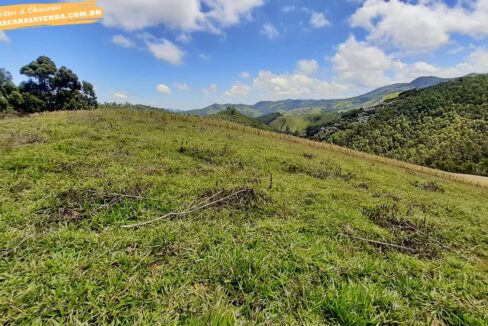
[[267, 228]]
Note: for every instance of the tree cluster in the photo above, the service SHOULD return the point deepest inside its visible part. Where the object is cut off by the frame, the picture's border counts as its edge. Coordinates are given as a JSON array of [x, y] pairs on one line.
[[47, 89]]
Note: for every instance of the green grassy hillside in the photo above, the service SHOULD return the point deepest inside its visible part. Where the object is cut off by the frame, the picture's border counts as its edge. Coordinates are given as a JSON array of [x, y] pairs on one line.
[[233, 115], [444, 127], [266, 228], [299, 123]]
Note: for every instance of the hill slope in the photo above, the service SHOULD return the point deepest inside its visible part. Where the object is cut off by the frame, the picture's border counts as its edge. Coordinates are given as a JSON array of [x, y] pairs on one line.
[[300, 107], [297, 124], [444, 127], [233, 115], [294, 248]]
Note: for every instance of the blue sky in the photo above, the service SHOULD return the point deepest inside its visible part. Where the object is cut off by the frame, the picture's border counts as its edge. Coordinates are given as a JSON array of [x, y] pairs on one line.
[[187, 54]]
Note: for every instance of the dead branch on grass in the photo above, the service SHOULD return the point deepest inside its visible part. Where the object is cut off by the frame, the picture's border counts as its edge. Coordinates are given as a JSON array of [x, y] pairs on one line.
[[205, 203], [380, 243]]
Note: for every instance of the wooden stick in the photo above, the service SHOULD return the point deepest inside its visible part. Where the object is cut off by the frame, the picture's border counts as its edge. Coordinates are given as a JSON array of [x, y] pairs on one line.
[[384, 244], [191, 210], [127, 196], [121, 195], [14, 250]]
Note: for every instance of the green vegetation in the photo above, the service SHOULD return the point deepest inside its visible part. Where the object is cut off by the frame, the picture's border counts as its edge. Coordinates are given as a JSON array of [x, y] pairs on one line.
[[443, 127], [391, 96], [247, 110], [48, 89], [297, 124], [231, 114], [285, 237]]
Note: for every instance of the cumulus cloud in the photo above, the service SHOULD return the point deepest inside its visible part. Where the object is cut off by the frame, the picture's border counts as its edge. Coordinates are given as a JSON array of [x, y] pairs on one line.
[[245, 75], [238, 89], [183, 86], [422, 26], [287, 9], [307, 67], [184, 15], [211, 89], [163, 89], [123, 41], [4, 38], [165, 50], [120, 96], [476, 62], [269, 31], [318, 20], [361, 64], [358, 67], [296, 85]]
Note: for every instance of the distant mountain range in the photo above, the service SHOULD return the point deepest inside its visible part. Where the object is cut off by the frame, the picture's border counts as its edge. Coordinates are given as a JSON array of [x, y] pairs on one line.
[[300, 107]]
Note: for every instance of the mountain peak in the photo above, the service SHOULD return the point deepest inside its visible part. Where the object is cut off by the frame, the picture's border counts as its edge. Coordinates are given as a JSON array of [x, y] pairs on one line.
[[427, 81]]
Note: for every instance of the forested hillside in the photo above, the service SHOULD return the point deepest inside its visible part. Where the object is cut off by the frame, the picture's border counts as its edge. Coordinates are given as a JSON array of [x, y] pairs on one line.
[[444, 127]]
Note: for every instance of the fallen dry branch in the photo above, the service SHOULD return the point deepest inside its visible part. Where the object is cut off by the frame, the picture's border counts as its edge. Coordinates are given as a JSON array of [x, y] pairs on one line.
[[443, 246], [7, 252], [383, 244], [113, 194], [192, 209]]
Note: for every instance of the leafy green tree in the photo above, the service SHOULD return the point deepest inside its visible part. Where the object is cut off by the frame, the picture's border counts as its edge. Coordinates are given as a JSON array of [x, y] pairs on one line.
[[42, 72], [67, 90], [90, 98], [7, 88], [50, 89]]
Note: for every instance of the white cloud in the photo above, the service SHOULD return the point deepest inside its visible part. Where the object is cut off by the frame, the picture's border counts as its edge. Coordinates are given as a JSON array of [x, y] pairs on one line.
[[287, 9], [245, 75], [408, 72], [307, 67], [361, 64], [476, 62], [184, 37], [422, 26], [238, 89], [120, 96], [211, 89], [279, 86], [165, 50], [4, 38], [183, 86], [358, 66], [184, 15], [269, 31], [318, 20], [123, 41], [163, 89]]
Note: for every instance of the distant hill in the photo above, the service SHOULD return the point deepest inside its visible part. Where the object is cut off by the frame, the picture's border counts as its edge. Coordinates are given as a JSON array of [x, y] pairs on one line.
[[248, 110], [297, 124], [233, 115], [299, 107], [444, 126]]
